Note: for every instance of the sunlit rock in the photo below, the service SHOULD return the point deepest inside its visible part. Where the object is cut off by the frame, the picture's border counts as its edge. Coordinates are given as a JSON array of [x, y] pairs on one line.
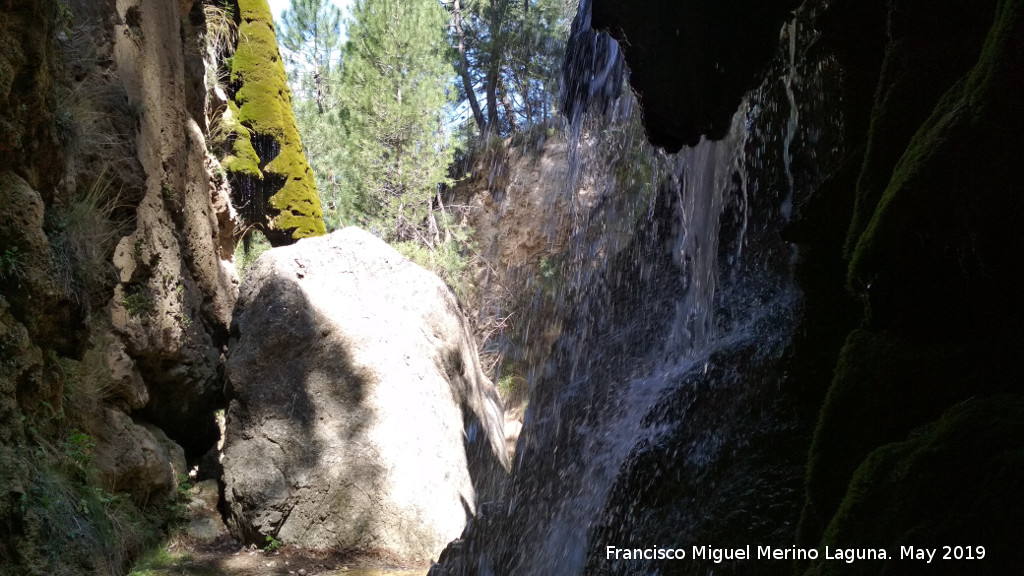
[[359, 415]]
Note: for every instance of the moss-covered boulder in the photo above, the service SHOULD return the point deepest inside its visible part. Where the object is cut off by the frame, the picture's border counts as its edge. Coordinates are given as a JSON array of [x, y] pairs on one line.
[[273, 185], [952, 483], [932, 44], [885, 386], [941, 250], [938, 268]]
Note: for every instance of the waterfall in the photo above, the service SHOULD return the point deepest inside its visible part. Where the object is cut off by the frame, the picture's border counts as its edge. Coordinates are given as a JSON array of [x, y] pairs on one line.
[[793, 121], [679, 303]]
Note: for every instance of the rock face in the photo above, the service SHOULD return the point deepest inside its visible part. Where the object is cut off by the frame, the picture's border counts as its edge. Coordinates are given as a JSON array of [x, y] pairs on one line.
[[921, 220], [359, 416], [116, 286], [691, 62], [176, 287]]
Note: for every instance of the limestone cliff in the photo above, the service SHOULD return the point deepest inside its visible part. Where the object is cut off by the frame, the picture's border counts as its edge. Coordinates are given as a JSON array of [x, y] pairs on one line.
[[116, 281]]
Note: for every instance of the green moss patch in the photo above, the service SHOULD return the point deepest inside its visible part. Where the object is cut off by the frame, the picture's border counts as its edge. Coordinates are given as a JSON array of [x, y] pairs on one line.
[[885, 386], [266, 146], [941, 250], [954, 482]]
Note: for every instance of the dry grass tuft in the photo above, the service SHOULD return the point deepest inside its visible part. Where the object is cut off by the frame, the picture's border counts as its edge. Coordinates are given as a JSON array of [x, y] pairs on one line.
[[84, 239]]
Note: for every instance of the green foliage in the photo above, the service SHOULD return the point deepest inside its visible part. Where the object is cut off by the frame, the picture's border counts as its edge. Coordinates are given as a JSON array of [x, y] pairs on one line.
[[138, 305], [78, 448], [12, 264], [449, 257], [311, 34], [513, 52], [324, 141], [248, 250], [273, 544], [266, 147], [393, 93], [445, 260], [68, 523], [512, 387], [177, 506]]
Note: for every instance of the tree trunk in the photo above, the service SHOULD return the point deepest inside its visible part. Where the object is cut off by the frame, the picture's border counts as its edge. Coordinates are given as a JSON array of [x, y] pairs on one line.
[[467, 81], [506, 103], [494, 67]]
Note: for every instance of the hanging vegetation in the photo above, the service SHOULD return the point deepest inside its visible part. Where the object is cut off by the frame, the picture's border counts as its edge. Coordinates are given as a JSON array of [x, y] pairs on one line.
[[271, 180]]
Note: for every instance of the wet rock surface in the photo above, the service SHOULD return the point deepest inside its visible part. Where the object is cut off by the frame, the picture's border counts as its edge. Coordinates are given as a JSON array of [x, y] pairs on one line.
[[691, 62]]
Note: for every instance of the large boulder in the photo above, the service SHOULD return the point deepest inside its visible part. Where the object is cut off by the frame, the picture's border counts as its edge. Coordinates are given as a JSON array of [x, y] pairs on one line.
[[359, 416]]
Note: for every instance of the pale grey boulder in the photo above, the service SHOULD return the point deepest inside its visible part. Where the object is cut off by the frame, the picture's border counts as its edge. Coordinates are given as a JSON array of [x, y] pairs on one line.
[[359, 416]]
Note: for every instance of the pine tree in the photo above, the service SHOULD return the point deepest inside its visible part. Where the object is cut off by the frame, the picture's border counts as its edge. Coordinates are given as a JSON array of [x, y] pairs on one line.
[[311, 34], [393, 94], [508, 52]]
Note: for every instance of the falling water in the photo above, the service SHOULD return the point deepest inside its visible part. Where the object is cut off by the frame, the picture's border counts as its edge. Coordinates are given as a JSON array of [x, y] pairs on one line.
[[793, 121], [678, 302]]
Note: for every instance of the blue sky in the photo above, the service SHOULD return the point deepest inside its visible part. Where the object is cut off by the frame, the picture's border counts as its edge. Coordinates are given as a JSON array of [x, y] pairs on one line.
[[278, 6]]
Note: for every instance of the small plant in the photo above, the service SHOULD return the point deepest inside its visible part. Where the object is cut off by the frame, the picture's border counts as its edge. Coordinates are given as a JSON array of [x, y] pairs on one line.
[[78, 448], [248, 250], [137, 304], [273, 544], [177, 507], [168, 192], [12, 264]]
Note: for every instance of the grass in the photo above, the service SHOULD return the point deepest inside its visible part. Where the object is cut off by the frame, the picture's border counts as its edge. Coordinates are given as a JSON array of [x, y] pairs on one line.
[[84, 239], [77, 526], [248, 250], [12, 264], [158, 560]]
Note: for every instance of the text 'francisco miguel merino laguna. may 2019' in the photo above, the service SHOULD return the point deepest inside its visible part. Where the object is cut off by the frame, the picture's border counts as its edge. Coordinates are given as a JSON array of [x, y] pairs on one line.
[[849, 555]]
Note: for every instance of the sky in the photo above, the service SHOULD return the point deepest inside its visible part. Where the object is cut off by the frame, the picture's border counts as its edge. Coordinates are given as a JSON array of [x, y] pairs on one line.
[[278, 6]]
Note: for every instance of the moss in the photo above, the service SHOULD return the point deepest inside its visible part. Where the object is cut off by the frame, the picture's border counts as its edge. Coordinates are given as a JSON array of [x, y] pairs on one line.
[[264, 110], [884, 386], [926, 55], [955, 481], [243, 158], [940, 248]]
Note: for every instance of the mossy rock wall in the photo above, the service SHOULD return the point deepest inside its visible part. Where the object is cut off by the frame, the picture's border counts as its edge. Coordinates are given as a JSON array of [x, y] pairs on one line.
[[934, 256], [28, 137], [274, 185], [953, 482]]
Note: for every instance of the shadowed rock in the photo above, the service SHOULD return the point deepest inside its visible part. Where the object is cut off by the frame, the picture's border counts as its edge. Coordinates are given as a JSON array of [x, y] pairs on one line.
[[359, 415]]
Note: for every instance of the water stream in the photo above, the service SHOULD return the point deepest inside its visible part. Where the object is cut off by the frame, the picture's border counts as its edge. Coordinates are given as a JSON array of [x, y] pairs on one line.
[[655, 419]]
